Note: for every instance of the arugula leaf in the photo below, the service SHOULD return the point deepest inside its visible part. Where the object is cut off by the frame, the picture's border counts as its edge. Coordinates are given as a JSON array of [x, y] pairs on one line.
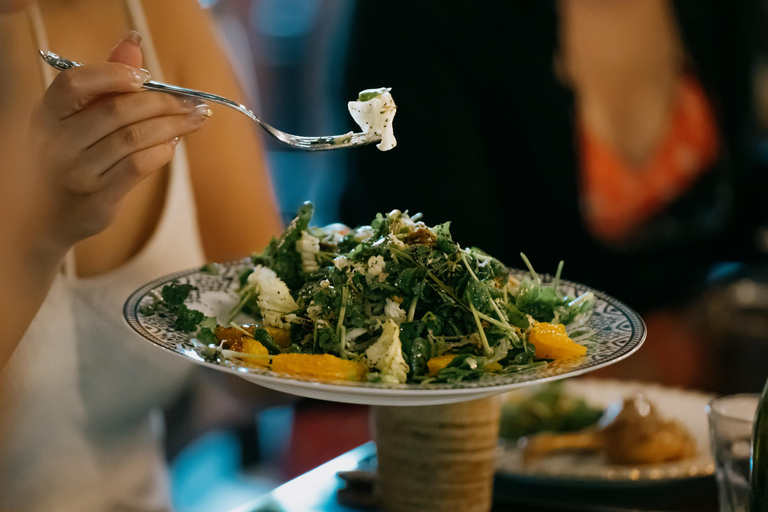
[[537, 300], [417, 351], [444, 240], [516, 317], [263, 337], [462, 367], [327, 341], [281, 254], [479, 296], [381, 225]]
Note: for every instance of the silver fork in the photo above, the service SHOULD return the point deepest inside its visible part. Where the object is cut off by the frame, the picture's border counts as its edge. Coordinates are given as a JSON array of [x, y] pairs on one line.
[[325, 143]]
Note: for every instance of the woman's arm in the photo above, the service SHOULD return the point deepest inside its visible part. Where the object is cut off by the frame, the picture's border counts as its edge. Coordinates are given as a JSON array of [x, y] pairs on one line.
[[27, 270], [624, 60], [237, 212], [91, 139]]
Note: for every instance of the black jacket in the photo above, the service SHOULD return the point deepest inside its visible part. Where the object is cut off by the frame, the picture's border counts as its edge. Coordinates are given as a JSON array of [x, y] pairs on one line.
[[486, 139]]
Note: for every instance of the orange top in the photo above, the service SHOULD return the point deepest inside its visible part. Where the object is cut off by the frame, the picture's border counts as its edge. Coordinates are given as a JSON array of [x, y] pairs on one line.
[[617, 197]]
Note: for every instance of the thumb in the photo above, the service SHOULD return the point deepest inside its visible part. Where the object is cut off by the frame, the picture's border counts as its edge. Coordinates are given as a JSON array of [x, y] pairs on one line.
[[128, 50]]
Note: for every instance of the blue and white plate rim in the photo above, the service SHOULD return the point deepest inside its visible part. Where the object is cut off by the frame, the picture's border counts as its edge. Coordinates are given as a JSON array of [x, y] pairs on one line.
[[629, 342]]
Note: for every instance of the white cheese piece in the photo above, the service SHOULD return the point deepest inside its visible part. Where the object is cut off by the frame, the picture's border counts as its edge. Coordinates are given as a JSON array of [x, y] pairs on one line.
[[376, 115]]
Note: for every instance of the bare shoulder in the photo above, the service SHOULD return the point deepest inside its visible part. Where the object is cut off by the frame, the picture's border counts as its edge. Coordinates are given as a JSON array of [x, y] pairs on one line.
[[226, 158], [183, 33]]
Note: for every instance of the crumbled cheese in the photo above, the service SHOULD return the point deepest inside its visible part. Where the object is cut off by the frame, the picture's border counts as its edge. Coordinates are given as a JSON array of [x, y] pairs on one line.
[[308, 246], [393, 310], [344, 263], [375, 265], [353, 334], [376, 115], [341, 262], [313, 311], [362, 234], [396, 241], [273, 296], [386, 355]]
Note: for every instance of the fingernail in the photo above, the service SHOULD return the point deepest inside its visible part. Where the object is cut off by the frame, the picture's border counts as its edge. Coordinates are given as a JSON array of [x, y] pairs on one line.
[[134, 37], [202, 112], [141, 76], [174, 141], [191, 103]]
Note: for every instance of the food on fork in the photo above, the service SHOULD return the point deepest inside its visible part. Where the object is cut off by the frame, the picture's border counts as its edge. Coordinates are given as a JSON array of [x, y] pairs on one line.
[[630, 432], [393, 302], [374, 111]]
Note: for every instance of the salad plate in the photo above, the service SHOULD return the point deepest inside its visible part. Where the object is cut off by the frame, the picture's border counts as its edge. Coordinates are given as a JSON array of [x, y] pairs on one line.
[[584, 470], [614, 332]]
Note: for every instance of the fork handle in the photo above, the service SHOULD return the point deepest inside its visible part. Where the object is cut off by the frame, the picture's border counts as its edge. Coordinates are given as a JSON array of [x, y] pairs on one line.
[[62, 64], [183, 91]]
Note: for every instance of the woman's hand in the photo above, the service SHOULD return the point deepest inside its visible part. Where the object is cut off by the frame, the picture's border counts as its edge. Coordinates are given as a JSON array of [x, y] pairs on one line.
[[95, 135], [92, 138]]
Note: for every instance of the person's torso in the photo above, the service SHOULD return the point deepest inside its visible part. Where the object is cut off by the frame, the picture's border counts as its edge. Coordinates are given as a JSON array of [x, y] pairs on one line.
[[78, 431]]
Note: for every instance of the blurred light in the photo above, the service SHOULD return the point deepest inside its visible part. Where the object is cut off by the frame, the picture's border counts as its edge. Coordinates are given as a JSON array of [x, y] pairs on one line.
[[205, 476], [285, 18], [275, 426], [208, 3], [724, 269], [749, 294]]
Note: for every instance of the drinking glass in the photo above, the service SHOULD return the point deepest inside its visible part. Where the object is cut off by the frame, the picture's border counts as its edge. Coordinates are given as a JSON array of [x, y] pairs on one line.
[[731, 420]]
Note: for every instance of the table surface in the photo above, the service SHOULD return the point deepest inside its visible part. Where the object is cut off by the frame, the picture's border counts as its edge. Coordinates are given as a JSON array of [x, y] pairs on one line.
[[316, 491]]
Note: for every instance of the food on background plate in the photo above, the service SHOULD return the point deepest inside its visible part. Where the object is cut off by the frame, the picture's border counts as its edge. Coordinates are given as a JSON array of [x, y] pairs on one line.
[[547, 409], [393, 302], [375, 111], [629, 432]]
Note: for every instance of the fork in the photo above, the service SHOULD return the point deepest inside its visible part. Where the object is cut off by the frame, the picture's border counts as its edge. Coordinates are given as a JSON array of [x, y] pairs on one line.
[[323, 143]]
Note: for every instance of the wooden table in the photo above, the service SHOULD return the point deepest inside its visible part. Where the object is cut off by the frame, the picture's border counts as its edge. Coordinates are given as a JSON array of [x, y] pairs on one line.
[[315, 491]]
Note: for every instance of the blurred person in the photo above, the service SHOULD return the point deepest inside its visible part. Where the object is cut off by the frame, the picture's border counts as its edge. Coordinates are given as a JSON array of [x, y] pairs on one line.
[[105, 188], [613, 135]]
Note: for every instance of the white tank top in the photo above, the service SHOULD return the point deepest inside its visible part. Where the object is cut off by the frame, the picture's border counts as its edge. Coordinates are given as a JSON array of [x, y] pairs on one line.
[[83, 431]]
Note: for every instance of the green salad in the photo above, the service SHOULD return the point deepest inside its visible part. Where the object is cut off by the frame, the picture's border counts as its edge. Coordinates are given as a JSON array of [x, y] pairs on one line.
[[400, 299], [549, 409]]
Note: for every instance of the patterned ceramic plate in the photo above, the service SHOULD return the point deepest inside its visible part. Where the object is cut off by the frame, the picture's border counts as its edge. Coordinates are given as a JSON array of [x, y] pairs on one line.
[[618, 332], [687, 407]]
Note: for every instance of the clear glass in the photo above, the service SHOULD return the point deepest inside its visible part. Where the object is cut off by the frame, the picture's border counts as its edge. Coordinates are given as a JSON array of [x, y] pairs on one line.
[[731, 419]]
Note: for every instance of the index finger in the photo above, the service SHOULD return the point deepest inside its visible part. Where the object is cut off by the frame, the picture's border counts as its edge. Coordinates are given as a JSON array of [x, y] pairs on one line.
[[73, 89]]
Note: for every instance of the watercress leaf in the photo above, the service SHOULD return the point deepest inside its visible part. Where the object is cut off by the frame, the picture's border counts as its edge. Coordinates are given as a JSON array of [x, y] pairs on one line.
[[516, 317], [207, 337], [281, 254], [187, 320], [420, 353], [210, 323], [411, 330], [327, 340], [380, 225], [263, 337], [242, 278], [445, 242], [175, 294]]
